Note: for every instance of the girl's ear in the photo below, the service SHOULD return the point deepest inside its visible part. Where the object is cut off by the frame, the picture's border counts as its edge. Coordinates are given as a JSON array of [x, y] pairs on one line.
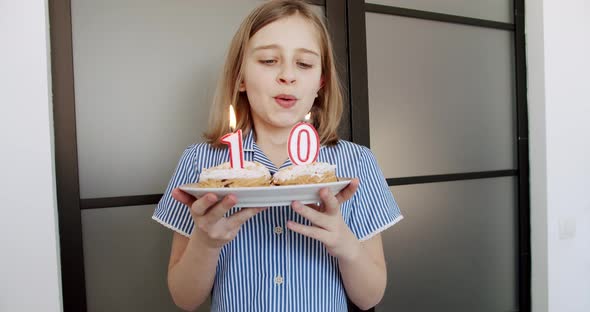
[[242, 87], [321, 86]]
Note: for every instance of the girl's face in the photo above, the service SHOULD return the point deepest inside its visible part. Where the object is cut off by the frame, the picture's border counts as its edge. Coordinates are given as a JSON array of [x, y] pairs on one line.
[[282, 72]]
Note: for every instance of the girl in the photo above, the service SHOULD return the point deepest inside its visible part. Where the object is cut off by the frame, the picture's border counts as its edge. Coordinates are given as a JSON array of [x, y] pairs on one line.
[[279, 67]]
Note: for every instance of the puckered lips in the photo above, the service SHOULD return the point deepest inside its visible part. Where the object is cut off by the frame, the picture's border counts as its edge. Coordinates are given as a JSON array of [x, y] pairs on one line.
[[285, 100]]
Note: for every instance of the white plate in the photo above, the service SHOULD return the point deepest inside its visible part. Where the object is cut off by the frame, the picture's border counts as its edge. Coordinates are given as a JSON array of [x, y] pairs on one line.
[[267, 196]]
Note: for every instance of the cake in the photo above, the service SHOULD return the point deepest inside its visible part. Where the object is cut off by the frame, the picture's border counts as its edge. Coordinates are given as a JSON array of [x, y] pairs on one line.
[[253, 174], [316, 172]]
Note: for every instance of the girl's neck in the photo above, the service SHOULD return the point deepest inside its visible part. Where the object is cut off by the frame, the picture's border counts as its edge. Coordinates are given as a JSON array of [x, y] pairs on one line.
[[273, 142]]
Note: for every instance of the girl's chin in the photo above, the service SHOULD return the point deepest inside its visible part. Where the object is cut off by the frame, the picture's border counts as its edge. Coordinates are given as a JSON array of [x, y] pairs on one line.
[[286, 124]]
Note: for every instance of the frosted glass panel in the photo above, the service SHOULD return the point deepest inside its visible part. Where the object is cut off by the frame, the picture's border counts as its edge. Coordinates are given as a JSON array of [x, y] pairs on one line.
[[145, 73], [455, 250], [495, 10], [126, 260], [441, 96]]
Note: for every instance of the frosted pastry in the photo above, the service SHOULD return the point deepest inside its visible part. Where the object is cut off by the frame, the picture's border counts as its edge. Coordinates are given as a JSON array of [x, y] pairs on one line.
[[253, 174], [316, 172]]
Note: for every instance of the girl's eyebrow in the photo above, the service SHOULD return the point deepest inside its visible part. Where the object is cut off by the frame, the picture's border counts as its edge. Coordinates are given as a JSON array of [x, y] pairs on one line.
[[277, 47]]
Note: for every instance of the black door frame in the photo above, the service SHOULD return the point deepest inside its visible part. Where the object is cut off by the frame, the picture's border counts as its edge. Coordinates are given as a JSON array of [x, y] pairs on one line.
[[346, 20], [70, 205], [359, 104]]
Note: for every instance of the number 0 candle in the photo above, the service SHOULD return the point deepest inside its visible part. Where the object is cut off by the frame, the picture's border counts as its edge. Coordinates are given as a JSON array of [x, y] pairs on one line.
[[234, 142], [303, 144]]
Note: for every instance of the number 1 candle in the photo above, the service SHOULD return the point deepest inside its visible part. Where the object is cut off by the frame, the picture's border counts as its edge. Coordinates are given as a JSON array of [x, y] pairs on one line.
[[234, 142]]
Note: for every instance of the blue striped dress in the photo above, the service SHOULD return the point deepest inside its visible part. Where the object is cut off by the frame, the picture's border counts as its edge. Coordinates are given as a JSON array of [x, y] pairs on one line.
[[268, 267]]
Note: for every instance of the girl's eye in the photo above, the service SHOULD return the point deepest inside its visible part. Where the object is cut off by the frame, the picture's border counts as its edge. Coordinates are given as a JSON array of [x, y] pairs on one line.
[[304, 65], [268, 62]]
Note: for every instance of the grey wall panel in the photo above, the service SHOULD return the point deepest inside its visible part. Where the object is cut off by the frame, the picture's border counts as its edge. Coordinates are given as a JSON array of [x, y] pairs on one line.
[[495, 10], [456, 248], [126, 260], [145, 73], [441, 96]]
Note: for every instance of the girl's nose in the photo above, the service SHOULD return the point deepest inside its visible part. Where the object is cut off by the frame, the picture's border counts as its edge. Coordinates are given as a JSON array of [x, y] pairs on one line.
[[287, 75]]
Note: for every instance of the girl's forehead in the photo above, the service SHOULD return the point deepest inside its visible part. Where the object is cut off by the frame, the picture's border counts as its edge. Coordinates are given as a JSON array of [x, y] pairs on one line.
[[293, 32]]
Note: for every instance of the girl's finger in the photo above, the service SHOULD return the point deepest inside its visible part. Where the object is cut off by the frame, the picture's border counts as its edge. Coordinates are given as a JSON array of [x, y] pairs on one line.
[[315, 217], [309, 231], [331, 204], [218, 211], [200, 206], [317, 207], [183, 197], [237, 219], [347, 193]]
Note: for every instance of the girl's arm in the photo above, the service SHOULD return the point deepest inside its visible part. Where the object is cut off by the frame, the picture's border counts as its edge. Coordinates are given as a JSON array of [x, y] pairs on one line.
[[191, 270], [364, 273]]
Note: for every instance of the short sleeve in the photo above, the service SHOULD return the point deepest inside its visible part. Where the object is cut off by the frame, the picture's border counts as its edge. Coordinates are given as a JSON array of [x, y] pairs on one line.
[[374, 208], [170, 212]]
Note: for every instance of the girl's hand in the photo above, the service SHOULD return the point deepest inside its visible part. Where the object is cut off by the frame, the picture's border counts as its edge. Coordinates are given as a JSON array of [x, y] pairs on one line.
[[211, 226], [327, 223]]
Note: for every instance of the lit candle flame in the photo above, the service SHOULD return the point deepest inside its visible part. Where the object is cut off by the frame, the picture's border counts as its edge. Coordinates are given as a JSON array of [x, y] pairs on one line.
[[307, 117], [232, 118]]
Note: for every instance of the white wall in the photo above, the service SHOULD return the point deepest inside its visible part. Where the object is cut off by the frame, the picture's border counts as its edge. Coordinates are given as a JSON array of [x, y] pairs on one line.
[[558, 52], [29, 270]]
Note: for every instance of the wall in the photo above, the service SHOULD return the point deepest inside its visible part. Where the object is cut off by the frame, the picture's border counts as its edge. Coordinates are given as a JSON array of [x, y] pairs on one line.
[[29, 271], [559, 110]]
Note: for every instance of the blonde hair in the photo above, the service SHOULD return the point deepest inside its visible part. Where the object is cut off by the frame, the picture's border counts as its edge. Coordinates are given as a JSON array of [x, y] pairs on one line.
[[327, 107]]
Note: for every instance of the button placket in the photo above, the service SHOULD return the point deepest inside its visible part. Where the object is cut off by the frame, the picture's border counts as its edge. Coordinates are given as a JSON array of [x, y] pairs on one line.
[[288, 236]]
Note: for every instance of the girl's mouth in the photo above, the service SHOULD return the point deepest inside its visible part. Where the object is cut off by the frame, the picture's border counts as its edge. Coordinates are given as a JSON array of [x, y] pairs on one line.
[[285, 101]]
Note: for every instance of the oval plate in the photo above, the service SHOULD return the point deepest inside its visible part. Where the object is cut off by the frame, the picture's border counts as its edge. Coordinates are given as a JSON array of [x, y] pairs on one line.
[[267, 196]]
